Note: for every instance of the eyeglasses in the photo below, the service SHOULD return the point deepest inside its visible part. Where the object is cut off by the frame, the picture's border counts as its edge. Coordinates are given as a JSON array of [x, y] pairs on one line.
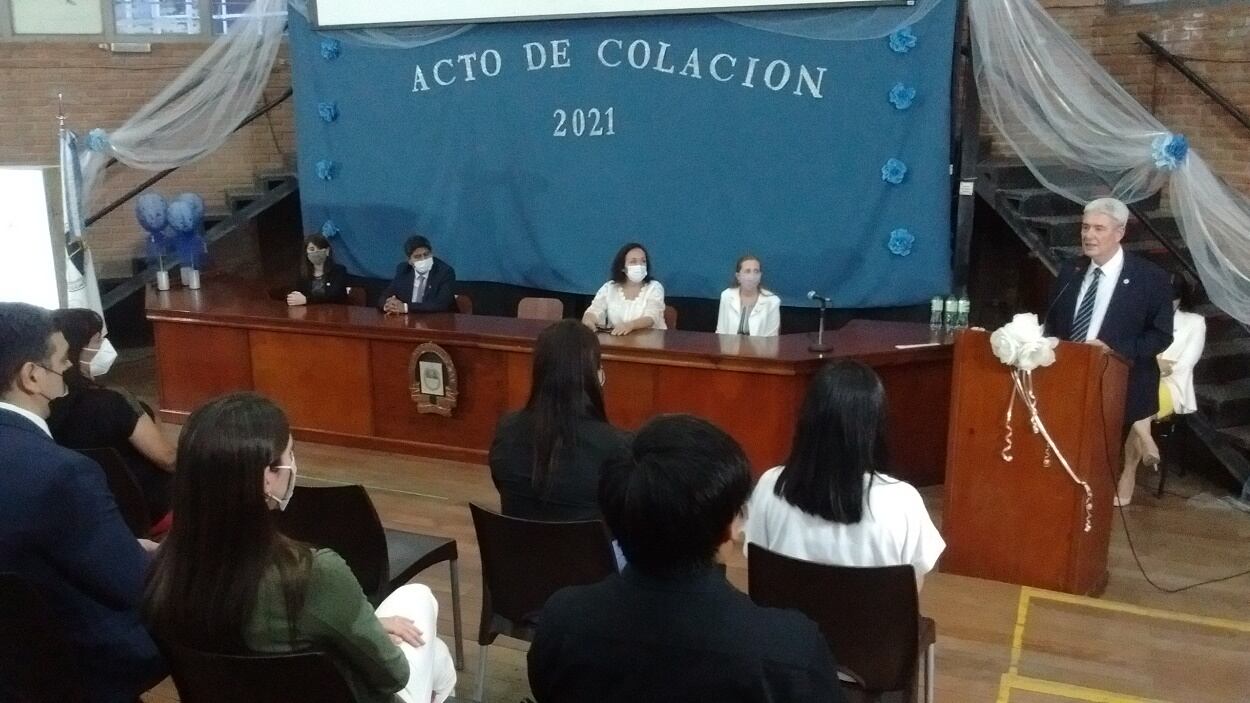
[[51, 370]]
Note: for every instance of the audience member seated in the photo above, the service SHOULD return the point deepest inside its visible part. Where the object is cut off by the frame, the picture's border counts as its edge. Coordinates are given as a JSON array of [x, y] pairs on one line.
[[830, 503], [1176, 385], [670, 627], [226, 581], [321, 279], [59, 527], [631, 300], [423, 283], [746, 307], [546, 459], [92, 416]]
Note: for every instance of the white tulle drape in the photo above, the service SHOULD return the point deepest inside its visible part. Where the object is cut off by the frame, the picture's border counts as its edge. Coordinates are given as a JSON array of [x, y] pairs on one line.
[[1084, 136], [198, 110]]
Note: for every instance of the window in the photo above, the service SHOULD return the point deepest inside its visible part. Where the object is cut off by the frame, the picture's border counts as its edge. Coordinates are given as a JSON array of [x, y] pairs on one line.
[[225, 12], [156, 16]]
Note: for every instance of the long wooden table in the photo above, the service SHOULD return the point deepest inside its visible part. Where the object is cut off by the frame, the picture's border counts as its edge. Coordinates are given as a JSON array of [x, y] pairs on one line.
[[342, 374]]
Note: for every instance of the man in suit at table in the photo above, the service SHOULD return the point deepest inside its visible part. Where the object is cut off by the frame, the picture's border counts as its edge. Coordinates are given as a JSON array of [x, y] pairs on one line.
[[1118, 301], [60, 529], [423, 283]]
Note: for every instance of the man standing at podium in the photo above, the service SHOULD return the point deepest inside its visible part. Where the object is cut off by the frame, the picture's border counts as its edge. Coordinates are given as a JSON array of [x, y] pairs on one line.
[[1118, 301]]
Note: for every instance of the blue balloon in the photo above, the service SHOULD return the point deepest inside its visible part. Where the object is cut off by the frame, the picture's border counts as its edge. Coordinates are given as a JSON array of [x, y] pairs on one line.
[[182, 218], [151, 211]]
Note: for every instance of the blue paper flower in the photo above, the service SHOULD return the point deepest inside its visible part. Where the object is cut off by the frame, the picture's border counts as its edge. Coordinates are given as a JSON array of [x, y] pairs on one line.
[[329, 230], [893, 171], [900, 242], [902, 41], [330, 49], [902, 96], [98, 140], [1169, 151], [328, 112], [326, 169]]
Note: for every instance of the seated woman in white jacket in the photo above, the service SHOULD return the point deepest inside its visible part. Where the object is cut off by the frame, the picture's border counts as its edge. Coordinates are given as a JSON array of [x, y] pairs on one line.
[[1176, 386], [746, 307], [830, 503], [631, 300]]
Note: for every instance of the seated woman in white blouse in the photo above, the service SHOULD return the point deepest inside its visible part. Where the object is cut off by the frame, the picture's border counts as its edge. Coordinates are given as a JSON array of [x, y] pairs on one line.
[[746, 307], [1176, 386], [830, 503], [632, 300]]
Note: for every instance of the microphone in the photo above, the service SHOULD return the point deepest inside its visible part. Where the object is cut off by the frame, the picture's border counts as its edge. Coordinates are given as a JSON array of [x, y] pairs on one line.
[[1050, 308], [812, 295], [819, 345]]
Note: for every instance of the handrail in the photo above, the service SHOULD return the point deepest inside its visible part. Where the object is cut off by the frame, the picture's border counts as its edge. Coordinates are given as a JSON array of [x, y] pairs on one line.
[[1164, 240], [1201, 83], [256, 114]]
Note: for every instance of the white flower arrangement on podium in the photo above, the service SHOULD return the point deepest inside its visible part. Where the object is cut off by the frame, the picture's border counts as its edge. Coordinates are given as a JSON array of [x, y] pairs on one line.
[[1022, 345]]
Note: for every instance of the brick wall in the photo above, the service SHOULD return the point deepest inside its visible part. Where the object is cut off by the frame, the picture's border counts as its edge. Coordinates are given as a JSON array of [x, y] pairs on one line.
[[1218, 38], [102, 90]]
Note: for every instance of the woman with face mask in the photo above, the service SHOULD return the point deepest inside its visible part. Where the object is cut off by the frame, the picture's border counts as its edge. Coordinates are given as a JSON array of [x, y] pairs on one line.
[[746, 307], [91, 416], [321, 279], [225, 580], [631, 300]]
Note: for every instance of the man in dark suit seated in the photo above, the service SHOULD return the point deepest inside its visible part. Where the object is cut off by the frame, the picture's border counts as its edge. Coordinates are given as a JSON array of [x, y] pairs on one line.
[[670, 627], [1118, 301], [423, 283], [59, 527]]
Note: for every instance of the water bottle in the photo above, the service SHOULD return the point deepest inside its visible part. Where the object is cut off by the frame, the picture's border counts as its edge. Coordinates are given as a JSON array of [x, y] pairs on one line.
[[951, 313], [965, 309], [935, 312]]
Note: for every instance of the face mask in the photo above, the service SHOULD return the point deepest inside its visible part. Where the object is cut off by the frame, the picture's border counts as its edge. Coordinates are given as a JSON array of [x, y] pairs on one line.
[[102, 360], [64, 387], [290, 486], [749, 280], [636, 272], [318, 256], [423, 266]]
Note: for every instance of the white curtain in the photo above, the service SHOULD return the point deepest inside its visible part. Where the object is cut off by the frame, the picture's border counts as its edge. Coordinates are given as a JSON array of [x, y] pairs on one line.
[[1084, 136]]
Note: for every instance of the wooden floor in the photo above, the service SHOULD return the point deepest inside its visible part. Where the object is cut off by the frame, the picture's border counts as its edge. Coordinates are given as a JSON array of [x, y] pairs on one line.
[[996, 642]]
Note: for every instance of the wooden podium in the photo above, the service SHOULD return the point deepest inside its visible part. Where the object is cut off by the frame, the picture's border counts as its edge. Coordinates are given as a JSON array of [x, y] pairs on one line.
[[1020, 521]]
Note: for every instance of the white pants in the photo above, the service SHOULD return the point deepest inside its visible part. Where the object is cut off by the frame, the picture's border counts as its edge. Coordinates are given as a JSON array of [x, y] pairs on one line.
[[431, 673]]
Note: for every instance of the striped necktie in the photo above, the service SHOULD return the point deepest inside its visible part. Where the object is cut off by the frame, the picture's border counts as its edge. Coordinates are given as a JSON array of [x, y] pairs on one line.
[[1080, 323]]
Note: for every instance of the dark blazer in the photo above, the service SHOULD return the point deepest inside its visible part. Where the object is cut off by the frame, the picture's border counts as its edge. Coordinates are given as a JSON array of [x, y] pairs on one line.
[[572, 490], [634, 637], [439, 293], [334, 290], [1138, 324], [60, 529]]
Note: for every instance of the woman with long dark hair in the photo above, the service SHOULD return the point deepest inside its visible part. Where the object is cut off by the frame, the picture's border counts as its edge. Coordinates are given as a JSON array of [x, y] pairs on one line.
[[91, 416], [321, 279], [226, 581], [632, 299], [545, 459], [831, 502]]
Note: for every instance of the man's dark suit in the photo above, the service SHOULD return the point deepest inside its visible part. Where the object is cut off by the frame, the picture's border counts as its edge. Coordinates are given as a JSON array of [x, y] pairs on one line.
[[439, 284], [1138, 324], [636, 638], [60, 530]]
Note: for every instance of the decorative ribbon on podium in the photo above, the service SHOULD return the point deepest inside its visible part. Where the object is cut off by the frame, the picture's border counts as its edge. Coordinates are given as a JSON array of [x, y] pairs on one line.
[[1021, 345]]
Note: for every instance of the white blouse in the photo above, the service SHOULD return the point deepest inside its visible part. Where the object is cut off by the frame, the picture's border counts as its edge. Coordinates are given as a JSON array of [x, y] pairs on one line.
[[1189, 336], [611, 308], [764, 320], [895, 528]]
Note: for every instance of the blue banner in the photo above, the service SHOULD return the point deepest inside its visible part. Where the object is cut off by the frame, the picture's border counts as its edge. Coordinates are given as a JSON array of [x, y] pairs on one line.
[[529, 152]]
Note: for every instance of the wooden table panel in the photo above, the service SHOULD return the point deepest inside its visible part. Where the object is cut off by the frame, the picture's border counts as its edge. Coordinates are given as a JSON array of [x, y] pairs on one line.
[[483, 381], [195, 363], [322, 381]]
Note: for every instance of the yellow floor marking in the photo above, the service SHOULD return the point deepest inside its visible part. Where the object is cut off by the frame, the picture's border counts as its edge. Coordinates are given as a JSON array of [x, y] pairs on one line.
[[1222, 623], [1065, 690]]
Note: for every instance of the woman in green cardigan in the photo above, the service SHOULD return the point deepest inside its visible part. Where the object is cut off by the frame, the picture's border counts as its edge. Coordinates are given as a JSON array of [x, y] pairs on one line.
[[225, 580]]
